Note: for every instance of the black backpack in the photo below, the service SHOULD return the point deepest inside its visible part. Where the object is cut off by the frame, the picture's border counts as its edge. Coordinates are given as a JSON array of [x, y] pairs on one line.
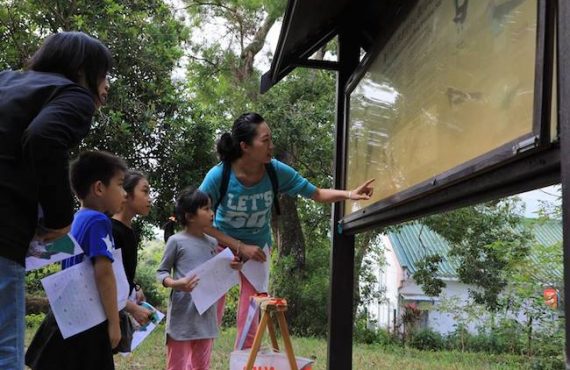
[[270, 172]]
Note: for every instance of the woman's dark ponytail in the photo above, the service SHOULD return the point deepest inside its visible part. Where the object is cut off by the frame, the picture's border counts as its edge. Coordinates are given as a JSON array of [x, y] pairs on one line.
[[228, 149]]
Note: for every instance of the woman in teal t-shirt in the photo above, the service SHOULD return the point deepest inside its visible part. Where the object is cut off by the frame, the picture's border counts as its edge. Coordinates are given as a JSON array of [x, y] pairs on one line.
[[243, 215]]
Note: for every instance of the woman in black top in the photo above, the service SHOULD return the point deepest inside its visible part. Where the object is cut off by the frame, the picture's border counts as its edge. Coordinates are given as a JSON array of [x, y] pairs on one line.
[[44, 111], [138, 203]]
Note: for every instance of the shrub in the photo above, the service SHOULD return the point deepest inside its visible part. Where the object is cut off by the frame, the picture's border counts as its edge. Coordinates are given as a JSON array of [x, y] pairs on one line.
[[230, 310], [362, 333], [34, 320], [34, 277], [154, 292], [149, 259], [551, 363], [306, 291], [427, 340]]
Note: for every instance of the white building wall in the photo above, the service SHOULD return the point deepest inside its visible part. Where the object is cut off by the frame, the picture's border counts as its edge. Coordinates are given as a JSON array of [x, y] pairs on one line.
[[444, 323], [390, 278], [393, 279]]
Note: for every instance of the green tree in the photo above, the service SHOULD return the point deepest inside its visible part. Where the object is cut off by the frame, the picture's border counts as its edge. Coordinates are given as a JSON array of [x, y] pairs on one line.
[[487, 242]]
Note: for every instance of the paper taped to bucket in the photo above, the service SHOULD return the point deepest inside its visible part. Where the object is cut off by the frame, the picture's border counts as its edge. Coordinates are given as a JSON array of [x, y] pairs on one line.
[[267, 360]]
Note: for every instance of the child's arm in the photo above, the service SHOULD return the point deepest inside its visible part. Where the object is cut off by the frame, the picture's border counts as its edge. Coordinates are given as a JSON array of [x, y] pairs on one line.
[[140, 314], [185, 284], [105, 280]]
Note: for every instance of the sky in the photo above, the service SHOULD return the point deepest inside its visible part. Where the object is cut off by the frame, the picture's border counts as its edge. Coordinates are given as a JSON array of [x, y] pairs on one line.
[[533, 199]]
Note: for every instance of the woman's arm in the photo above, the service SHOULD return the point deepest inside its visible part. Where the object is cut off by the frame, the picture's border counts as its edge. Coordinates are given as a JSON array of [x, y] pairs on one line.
[[247, 251], [362, 192]]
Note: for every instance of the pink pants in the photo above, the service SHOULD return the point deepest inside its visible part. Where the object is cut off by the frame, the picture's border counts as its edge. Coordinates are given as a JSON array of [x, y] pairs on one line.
[[188, 354], [246, 291]]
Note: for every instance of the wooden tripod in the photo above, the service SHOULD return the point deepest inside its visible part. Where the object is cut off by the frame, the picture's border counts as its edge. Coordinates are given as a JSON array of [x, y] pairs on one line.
[[278, 306]]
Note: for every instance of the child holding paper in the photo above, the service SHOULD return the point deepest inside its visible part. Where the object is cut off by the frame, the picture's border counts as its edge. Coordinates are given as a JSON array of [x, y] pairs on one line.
[[127, 240], [97, 180], [189, 335]]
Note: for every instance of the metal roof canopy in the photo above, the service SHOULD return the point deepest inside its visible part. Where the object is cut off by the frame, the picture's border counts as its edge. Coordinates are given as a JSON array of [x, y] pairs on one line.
[[367, 24], [309, 25]]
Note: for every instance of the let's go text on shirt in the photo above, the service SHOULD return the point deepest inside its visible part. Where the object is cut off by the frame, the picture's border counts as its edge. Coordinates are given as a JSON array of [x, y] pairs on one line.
[[245, 211]]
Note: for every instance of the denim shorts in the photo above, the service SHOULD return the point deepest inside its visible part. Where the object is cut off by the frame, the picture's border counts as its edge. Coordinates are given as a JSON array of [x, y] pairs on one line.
[[12, 314]]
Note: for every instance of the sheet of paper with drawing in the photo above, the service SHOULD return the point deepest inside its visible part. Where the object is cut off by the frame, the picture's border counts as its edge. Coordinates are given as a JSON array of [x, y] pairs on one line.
[[257, 273], [74, 299], [143, 332], [41, 254], [216, 278]]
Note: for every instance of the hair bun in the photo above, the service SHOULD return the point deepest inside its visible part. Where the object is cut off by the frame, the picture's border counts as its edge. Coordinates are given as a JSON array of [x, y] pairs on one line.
[[227, 148]]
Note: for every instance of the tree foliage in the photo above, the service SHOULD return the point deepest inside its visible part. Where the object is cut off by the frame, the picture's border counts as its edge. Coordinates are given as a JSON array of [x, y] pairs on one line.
[[167, 126], [489, 244]]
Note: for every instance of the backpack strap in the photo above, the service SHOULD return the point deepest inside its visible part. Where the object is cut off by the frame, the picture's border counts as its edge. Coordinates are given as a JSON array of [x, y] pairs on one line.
[[274, 185], [226, 169]]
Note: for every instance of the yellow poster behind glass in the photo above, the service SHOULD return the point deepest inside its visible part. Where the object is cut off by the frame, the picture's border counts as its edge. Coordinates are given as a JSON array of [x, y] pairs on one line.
[[455, 81]]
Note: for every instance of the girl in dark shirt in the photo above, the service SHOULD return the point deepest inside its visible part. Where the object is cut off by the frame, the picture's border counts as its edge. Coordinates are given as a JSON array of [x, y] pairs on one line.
[[138, 202]]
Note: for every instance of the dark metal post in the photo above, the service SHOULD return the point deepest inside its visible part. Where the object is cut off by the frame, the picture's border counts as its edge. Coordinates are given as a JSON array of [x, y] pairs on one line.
[[563, 37], [342, 256]]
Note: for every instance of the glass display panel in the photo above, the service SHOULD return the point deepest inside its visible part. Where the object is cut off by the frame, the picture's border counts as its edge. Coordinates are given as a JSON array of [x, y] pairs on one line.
[[454, 82]]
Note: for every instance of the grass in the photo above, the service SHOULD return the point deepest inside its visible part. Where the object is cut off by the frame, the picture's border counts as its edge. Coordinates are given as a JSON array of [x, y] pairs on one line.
[[151, 355]]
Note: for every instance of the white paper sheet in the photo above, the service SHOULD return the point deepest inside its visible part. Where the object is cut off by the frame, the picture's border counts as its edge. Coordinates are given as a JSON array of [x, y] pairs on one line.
[[141, 334], [74, 298], [257, 273], [41, 254], [216, 278]]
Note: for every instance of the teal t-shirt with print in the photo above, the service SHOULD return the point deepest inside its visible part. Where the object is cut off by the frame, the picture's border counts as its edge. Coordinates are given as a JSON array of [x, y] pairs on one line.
[[245, 212]]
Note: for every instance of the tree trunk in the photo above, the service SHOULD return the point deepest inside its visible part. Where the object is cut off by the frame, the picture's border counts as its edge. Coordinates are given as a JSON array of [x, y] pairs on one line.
[[247, 57], [362, 246], [291, 238]]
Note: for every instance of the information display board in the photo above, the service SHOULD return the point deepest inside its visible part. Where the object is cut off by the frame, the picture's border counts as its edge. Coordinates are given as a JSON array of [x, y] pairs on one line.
[[453, 83]]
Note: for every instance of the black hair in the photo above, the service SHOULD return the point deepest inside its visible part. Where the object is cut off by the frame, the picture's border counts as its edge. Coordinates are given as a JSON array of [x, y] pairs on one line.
[[93, 166], [189, 201], [132, 178], [244, 129], [72, 54]]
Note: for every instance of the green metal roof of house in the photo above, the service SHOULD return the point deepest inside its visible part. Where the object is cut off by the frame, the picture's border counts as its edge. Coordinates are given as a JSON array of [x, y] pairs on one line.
[[414, 241]]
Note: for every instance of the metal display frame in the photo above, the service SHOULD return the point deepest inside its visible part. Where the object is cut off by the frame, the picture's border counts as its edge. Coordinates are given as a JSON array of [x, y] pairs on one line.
[[479, 175]]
